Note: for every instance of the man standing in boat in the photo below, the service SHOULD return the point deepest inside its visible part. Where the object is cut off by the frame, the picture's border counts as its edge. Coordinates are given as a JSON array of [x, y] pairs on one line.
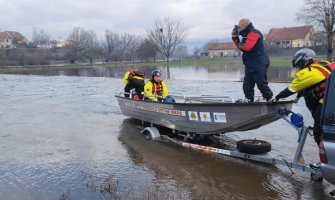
[[155, 89], [254, 58], [309, 82], [133, 79]]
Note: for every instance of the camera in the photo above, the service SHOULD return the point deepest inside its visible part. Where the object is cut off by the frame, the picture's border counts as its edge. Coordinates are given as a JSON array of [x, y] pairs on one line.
[[235, 31]]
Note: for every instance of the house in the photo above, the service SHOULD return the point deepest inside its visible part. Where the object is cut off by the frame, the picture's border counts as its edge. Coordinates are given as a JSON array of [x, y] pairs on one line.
[[12, 39], [18, 39], [62, 43], [5, 40], [223, 49], [301, 36]]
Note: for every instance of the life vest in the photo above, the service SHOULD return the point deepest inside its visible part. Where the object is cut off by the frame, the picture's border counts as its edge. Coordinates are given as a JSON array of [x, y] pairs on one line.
[[326, 69], [157, 88]]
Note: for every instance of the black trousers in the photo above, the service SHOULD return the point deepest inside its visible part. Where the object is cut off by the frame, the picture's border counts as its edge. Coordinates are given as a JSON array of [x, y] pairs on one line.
[[317, 129], [258, 78], [137, 84]]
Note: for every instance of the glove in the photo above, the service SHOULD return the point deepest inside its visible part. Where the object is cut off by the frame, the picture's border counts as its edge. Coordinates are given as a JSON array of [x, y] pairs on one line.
[[272, 100]]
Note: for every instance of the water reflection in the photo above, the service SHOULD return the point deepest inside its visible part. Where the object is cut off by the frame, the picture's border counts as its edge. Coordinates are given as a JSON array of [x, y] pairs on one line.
[[150, 154], [275, 74], [203, 175]]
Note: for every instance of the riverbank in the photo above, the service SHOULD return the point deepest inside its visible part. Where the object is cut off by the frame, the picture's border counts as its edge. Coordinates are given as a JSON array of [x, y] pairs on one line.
[[207, 62], [228, 62], [222, 72]]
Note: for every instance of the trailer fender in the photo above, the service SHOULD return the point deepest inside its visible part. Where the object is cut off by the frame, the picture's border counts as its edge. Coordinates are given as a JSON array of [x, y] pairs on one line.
[[253, 146], [151, 133]]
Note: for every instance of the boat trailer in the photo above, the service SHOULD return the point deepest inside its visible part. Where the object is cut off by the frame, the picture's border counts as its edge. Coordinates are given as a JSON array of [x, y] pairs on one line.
[[294, 119]]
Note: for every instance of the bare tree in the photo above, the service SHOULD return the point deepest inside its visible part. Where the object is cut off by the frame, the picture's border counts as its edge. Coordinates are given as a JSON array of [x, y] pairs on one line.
[[147, 50], [166, 35], [180, 52], [320, 13], [134, 44], [196, 52], [128, 46], [40, 38], [125, 40], [204, 48], [91, 45], [111, 43], [76, 44]]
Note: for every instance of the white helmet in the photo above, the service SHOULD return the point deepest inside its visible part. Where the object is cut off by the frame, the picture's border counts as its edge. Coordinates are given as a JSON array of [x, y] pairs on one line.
[[303, 57]]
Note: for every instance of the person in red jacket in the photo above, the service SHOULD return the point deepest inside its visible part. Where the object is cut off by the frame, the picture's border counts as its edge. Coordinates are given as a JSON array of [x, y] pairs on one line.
[[254, 59]]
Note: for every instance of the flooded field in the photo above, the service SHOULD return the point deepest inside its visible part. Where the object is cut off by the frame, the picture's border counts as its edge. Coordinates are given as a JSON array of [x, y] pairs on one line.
[[275, 74], [64, 137]]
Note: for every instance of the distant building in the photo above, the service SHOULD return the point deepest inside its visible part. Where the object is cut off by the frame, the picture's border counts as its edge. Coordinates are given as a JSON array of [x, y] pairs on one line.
[[223, 49], [5, 40], [18, 40], [62, 43], [301, 36]]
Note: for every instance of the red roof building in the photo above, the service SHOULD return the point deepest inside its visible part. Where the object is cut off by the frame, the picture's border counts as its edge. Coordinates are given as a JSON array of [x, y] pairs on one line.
[[301, 36], [5, 40], [222, 49], [18, 39]]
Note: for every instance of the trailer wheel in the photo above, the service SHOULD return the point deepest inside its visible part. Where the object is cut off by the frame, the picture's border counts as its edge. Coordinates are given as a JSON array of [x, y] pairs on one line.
[[253, 146], [151, 133], [147, 135]]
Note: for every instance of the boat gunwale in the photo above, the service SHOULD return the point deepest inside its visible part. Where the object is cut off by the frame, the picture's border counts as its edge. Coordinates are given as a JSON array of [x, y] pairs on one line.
[[209, 104]]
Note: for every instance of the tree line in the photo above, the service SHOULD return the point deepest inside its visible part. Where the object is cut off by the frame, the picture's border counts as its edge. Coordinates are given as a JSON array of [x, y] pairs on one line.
[[163, 39]]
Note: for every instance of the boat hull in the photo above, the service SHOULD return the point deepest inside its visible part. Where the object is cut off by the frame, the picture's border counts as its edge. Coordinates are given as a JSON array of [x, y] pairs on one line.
[[204, 118]]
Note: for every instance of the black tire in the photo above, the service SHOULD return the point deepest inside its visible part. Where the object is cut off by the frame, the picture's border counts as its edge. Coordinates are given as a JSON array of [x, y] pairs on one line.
[[147, 135], [253, 146], [316, 178]]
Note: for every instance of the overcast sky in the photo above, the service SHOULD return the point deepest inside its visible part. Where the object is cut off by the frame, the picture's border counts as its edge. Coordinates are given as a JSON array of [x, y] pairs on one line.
[[206, 19]]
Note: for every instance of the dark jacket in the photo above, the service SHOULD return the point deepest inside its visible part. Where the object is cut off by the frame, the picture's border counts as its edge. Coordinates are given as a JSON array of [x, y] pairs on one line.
[[254, 56]]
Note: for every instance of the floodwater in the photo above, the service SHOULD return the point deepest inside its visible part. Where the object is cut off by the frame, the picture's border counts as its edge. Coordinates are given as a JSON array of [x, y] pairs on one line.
[[64, 137], [275, 74]]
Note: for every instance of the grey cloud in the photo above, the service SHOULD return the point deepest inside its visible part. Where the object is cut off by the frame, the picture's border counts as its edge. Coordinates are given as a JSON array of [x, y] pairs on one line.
[[206, 18]]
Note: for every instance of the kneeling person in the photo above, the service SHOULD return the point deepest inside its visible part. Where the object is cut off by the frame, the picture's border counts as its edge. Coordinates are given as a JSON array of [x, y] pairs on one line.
[[133, 79]]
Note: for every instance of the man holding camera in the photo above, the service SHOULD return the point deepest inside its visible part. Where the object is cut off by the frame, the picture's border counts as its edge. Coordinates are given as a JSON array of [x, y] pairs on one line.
[[254, 59]]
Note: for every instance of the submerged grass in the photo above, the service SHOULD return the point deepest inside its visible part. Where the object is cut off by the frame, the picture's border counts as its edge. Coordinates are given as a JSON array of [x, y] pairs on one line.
[[112, 188]]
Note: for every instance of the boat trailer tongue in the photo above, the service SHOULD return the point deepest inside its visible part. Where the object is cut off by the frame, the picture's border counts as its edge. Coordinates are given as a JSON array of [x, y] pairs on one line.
[[294, 119]]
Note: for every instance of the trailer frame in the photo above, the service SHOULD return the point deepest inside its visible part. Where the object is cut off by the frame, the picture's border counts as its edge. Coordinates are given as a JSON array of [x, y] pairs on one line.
[[294, 119]]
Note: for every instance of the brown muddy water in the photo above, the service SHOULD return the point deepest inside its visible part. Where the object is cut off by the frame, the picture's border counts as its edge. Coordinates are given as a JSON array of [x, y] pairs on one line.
[[64, 137]]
